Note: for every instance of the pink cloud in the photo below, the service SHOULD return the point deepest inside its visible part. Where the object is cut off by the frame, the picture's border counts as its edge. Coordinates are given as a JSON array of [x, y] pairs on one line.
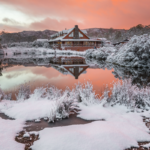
[[92, 13]]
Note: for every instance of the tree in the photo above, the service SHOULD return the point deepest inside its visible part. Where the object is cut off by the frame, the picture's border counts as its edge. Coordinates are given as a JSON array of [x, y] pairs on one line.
[[140, 26], [0, 43], [3, 32], [118, 35], [111, 30]]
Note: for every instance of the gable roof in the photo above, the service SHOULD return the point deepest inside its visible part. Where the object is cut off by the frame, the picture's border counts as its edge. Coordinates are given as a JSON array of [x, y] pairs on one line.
[[66, 32]]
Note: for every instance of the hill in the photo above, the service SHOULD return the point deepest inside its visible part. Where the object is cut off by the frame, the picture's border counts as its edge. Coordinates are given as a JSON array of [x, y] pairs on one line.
[[25, 36], [114, 35]]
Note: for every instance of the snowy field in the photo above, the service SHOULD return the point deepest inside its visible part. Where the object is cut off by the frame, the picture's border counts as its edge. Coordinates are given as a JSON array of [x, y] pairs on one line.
[[117, 119]]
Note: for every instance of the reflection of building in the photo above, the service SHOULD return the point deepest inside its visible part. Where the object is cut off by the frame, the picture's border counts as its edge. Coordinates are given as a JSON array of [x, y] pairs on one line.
[[73, 39], [74, 70], [70, 65]]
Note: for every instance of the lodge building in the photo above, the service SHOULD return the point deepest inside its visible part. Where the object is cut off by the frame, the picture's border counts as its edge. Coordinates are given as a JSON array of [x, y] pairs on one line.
[[73, 39]]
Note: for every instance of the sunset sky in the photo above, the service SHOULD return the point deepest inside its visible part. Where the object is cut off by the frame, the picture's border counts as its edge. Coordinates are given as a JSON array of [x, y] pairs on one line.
[[20, 15]]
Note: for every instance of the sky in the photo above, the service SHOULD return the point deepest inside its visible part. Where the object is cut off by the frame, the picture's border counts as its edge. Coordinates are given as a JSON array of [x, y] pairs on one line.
[[21, 15]]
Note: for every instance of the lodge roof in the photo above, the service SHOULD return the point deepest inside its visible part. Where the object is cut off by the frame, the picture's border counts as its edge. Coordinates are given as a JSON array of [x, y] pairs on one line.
[[66, 32], [62, 34]]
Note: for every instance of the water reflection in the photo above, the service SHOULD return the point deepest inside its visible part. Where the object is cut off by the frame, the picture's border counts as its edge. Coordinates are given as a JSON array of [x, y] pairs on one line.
[[58, 71], [139, 76], [65, 71]]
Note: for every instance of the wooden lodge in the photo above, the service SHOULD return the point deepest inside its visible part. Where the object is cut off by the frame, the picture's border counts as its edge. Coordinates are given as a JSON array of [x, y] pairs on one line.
[[73, 39]]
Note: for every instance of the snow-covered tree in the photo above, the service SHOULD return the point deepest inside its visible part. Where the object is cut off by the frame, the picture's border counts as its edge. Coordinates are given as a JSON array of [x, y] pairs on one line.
[[135, 53]]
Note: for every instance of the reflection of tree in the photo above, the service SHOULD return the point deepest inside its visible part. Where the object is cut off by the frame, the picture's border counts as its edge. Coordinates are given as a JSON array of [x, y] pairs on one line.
[[138, 76], [1, 68]]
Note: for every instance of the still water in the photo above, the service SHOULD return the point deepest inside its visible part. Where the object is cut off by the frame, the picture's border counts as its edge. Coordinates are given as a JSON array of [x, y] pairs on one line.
[[60, 72], [64, 71]]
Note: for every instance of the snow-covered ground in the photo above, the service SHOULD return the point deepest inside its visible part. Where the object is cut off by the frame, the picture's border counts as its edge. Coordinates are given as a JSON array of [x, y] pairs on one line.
[[118, 132], [117, 120], [8, 131]]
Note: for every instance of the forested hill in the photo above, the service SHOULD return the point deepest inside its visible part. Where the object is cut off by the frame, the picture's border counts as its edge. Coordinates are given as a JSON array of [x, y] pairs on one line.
[[117, 35], [114, 35], [25, 36]]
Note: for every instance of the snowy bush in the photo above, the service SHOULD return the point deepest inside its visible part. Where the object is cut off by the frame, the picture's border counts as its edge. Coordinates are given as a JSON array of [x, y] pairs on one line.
[[135, 53], [100, 53], [1, 94], [46, 45], [85, 94], [48, 102], [124, 93], [19, 44], [4, 96], [53, 103], [23, 92]]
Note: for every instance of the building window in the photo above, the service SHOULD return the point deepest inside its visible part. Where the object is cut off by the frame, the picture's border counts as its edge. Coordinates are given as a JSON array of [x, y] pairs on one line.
[[85, 43], [80, 34], [68, 43], [71, 34]]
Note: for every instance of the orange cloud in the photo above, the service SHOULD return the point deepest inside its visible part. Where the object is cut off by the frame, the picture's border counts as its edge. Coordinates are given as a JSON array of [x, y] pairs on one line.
[[59, 14]]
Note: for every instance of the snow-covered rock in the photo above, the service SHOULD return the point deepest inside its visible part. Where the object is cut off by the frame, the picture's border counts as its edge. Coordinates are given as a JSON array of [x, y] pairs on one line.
[[26, 135], [37, 120]]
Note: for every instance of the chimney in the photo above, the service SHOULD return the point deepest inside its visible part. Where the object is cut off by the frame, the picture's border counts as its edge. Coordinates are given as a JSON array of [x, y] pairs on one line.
[[76, 32]]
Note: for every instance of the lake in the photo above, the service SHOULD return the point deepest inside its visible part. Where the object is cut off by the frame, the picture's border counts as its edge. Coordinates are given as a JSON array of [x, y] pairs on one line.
[[41, 71], [65, 71]]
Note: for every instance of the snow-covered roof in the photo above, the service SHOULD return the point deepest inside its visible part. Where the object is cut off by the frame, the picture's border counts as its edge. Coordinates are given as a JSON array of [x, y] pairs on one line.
[[66, 32], [42, 40], [84, 31], [62, 32]]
